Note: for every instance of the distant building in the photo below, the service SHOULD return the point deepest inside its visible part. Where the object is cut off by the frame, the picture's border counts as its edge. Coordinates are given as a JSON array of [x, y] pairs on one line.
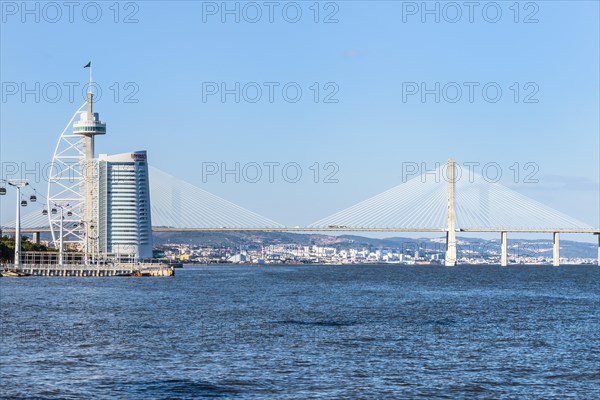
[[238, 258]]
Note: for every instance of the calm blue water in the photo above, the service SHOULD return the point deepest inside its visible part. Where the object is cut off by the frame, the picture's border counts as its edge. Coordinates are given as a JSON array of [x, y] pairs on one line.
[[305, 332]]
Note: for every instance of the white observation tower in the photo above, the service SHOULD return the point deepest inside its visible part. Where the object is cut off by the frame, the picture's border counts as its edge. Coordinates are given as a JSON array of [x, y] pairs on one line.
[[73, 178]]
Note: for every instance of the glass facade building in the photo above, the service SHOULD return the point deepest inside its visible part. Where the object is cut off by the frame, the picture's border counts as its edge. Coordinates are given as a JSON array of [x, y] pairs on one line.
[[124, 221]]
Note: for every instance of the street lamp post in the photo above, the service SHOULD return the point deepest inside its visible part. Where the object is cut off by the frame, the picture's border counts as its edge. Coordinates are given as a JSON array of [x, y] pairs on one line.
[[61, 254], [94, 246], [87, 239], [61, 246], [86, 246], [18, 184]]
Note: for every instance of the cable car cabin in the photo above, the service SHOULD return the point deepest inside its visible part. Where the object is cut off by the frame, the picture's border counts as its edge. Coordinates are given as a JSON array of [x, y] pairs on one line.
[[2, 191], [69, 214], [54, 211], [33, 198], [45, 212], [24, 203]]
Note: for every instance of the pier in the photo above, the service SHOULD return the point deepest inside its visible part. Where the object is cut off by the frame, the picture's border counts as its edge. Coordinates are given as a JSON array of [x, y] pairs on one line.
[[39, 263], [92, 270]]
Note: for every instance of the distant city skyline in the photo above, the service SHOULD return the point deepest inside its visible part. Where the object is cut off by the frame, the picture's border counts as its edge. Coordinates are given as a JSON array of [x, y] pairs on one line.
[[362, 81]]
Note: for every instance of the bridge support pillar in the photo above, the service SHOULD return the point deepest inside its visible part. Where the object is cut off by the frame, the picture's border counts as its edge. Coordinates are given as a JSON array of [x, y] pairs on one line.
[[503, 245], [556, 249], [450, 259], [598, 234]]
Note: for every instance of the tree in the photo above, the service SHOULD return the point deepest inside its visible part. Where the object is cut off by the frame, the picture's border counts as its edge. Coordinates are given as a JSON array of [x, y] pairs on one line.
[[7, 248]]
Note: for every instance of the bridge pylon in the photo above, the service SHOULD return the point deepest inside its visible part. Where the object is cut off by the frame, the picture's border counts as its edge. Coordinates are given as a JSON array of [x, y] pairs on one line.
[[598, 234], [450, 259], [556, 249], [503, 250]]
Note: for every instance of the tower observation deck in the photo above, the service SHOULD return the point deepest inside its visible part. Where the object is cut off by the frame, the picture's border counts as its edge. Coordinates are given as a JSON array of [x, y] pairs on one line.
[[89, 125]]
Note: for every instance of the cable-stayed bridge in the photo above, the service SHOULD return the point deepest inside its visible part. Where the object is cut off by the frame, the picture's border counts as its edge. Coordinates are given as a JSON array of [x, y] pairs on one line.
[[426, 203], [450, 205], [454, 204]]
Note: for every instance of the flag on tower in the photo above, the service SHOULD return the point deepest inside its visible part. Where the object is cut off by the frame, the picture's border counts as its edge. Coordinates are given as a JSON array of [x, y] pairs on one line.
[[88, 65]]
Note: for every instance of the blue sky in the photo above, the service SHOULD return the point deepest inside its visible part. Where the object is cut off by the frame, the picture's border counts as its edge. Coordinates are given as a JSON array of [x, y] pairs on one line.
[[374, 49]]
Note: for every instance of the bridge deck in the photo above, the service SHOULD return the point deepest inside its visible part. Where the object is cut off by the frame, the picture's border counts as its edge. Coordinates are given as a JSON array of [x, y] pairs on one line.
[[342, 229]]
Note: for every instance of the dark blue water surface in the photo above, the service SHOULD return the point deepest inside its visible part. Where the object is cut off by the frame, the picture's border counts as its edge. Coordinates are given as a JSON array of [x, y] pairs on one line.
[[305, 332]]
